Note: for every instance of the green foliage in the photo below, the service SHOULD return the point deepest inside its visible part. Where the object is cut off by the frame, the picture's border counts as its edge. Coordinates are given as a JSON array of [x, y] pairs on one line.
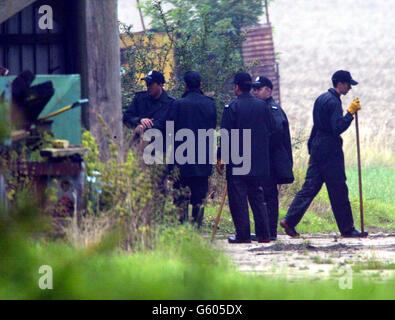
[[92, 157], [142, 56], [373, 264], [235, 13], [4, 123], [319, 260], [127, 195], [205, 36], [183, 267], [32, 152]]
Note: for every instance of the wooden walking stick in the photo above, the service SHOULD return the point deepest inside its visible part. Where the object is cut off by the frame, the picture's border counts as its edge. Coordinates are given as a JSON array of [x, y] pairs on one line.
[[359, 173], [137, 135], [219, 212]]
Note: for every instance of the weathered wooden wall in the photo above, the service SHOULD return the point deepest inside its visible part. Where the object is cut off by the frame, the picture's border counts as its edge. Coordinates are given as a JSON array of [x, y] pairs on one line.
[[24, 46], [10, 7]]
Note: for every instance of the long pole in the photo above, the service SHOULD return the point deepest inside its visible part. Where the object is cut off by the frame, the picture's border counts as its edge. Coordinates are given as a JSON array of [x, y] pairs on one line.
[[219, 212], [359, 172]]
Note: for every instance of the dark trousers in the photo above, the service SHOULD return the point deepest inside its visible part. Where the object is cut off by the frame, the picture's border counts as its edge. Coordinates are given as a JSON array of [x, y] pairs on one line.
[[338, 196], [271, 197], [198, 187], [242, 190]]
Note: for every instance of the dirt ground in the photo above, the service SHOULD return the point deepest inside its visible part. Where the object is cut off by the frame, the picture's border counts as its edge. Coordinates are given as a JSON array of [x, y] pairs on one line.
[[313, 255]]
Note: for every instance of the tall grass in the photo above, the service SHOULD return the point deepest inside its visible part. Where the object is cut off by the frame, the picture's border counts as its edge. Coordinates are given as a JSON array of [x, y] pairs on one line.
[[183, 266]]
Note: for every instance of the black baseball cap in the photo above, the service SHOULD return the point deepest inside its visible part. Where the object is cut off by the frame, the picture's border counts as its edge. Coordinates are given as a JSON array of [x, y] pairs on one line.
[[261, 82], [344, 76], [192, 79], [242, 78], [154, 76]]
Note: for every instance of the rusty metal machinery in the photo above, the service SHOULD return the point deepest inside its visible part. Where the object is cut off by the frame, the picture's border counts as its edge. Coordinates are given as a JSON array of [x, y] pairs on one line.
[[59, 168]]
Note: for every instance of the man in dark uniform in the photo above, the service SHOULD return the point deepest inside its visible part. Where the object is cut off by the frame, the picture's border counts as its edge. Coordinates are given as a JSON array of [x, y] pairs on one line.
[[326, 163], [247, 114], [194, 111], [148, 108], [281, 162]]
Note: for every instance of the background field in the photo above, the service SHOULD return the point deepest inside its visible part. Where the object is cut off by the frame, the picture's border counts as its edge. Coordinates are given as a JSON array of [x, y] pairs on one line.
[[316, 38]]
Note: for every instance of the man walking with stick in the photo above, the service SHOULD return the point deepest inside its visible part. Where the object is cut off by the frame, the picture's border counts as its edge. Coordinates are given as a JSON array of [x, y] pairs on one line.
[[326, 164]]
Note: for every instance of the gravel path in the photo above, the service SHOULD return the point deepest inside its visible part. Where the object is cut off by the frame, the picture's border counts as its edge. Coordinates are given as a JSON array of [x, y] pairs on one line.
[[312, 255]]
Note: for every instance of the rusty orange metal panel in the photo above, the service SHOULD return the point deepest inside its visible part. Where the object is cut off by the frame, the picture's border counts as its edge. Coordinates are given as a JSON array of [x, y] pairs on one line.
[[259, 46]]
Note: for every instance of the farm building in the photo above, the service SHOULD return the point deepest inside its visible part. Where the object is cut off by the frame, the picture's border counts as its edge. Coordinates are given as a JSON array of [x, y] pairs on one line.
[[82, 41], [258, 48], [74, 46]]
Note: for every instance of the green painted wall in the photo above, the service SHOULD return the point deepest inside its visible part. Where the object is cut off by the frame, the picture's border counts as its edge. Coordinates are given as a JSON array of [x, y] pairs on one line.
[[67, 91]]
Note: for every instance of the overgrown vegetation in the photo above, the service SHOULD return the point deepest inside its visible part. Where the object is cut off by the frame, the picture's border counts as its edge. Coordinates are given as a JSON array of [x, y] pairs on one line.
[[4, 124], [184, 266], [127, 195]]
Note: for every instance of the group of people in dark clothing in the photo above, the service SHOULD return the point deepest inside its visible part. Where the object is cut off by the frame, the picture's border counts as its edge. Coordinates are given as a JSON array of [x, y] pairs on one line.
[[257, 124]]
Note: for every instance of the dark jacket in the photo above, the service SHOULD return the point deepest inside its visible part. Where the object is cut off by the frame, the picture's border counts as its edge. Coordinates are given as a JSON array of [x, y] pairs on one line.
[[195, 111], [281, 160], [247, 112], [144, 106], [325, 143]]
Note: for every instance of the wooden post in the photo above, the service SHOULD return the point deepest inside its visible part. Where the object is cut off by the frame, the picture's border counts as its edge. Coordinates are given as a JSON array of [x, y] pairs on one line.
[[100, 66]]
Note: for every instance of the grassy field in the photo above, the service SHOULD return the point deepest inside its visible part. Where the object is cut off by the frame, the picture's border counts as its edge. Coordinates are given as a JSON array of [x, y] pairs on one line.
[[379, 204], [184, 266], [316, 38]]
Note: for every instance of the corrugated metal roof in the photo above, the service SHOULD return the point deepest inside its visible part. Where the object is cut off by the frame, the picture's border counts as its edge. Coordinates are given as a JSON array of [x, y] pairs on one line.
[[259, 47]]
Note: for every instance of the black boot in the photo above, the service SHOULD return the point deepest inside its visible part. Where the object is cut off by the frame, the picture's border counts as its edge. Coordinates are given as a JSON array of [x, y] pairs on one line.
[[354, 233], [235, 239], [288, 229]]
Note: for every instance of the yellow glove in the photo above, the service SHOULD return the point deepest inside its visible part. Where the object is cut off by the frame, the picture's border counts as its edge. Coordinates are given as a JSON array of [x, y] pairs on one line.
[[354, 106], [220, 167]]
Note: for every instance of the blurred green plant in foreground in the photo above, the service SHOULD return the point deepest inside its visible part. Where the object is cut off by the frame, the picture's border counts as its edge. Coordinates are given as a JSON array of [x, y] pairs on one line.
[[182, 266]]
